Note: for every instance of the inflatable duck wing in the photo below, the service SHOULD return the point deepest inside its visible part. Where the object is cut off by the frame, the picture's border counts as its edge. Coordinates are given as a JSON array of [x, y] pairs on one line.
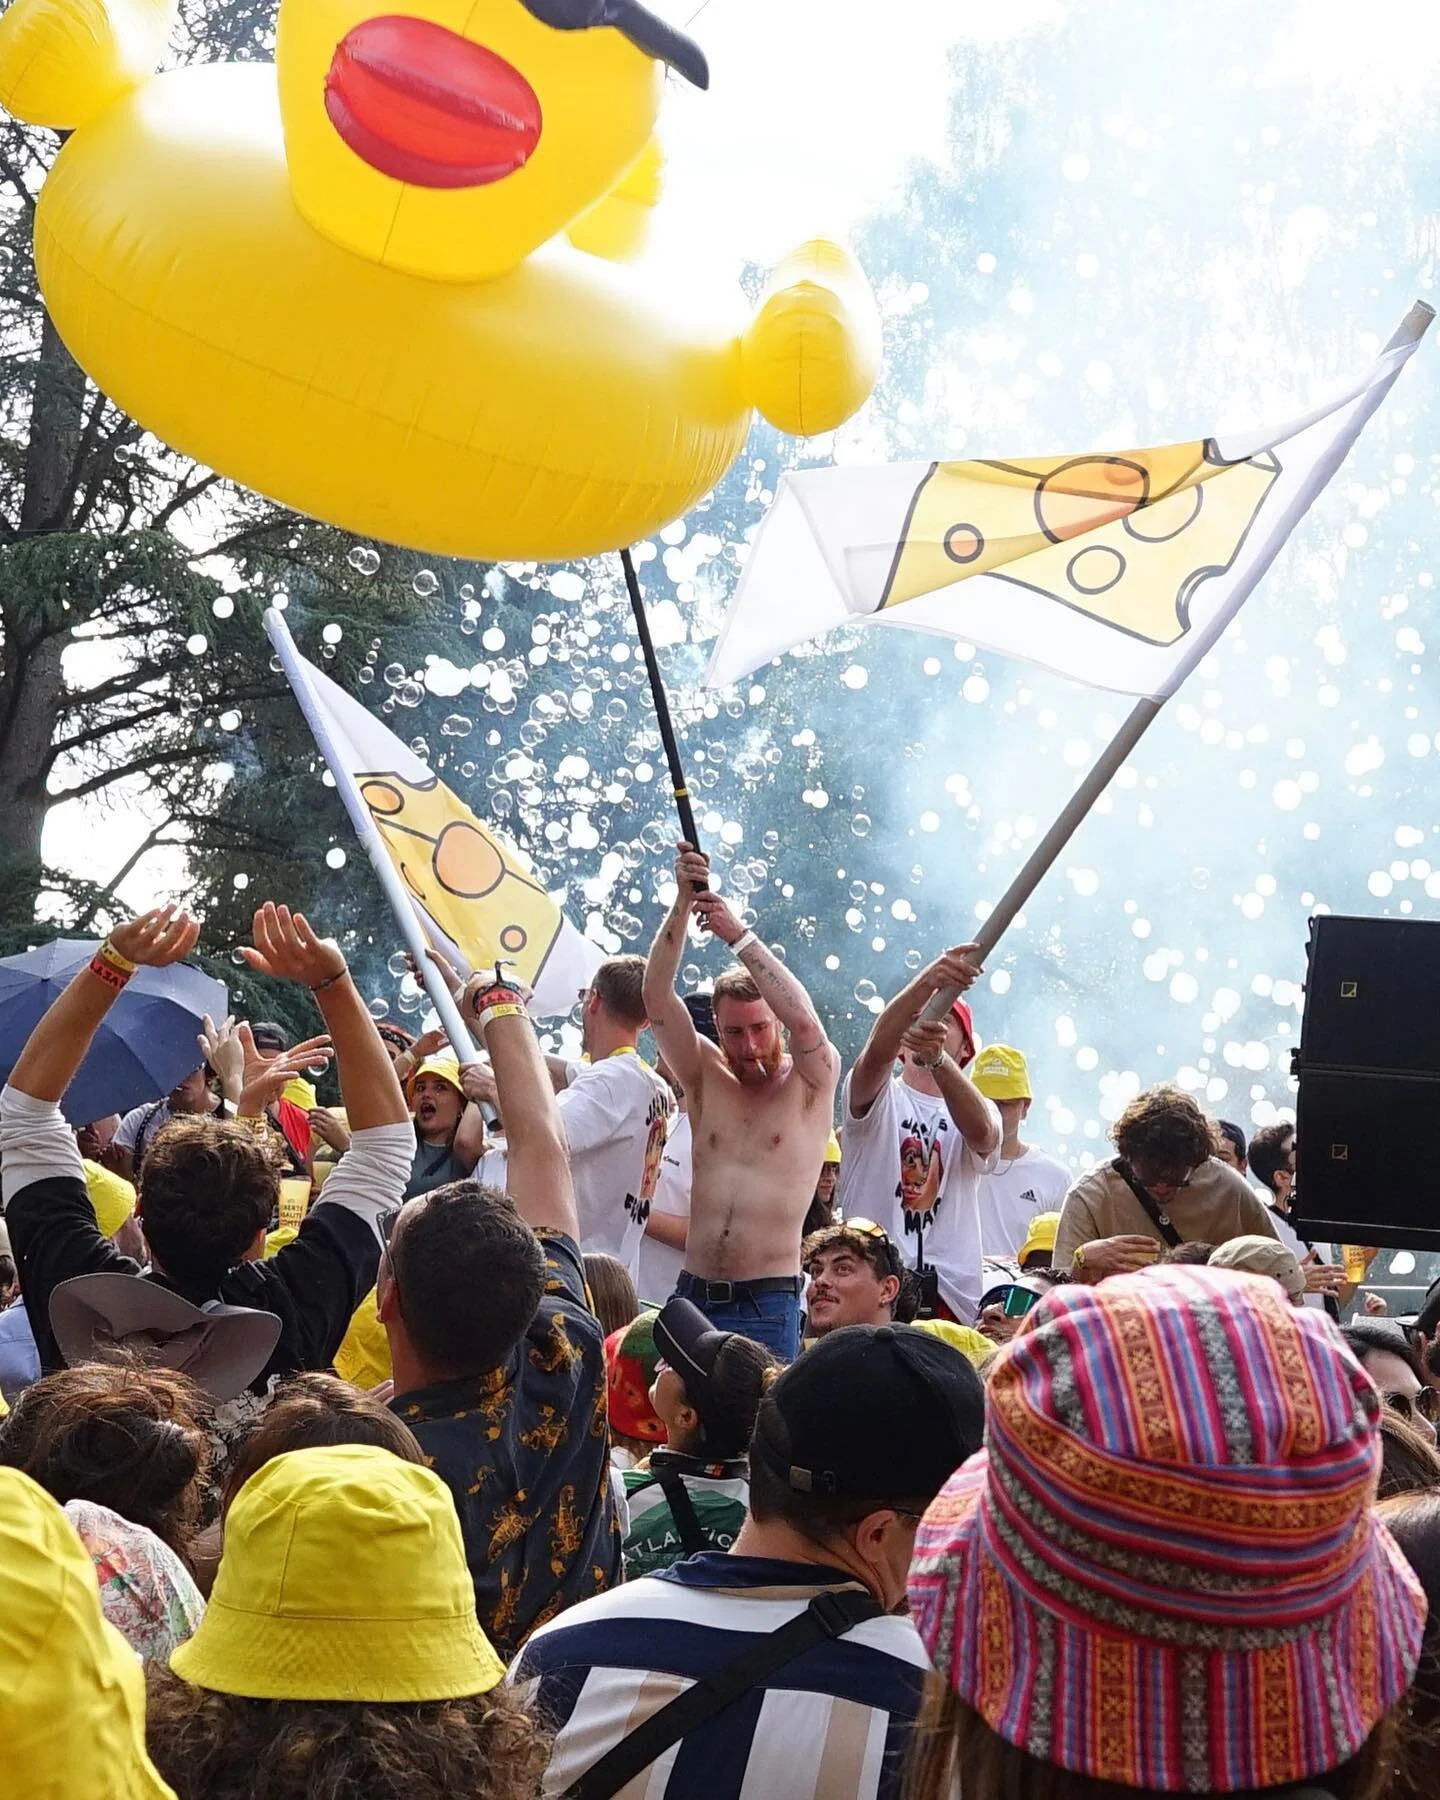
[[378, 280]]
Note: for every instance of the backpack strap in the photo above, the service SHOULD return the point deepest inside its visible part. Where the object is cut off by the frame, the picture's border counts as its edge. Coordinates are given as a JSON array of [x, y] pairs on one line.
[[1160, 1220], [682, 1510], [829, 1615]]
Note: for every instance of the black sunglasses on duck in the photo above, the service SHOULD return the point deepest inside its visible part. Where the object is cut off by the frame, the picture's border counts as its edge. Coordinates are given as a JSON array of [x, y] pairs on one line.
[[645, 30]]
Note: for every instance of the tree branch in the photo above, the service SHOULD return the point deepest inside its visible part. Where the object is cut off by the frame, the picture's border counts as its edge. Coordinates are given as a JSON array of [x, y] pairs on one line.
[[189, 491], [142, 765]]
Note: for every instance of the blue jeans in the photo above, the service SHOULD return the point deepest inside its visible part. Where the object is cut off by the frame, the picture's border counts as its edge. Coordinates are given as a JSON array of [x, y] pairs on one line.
[[771, 1319]]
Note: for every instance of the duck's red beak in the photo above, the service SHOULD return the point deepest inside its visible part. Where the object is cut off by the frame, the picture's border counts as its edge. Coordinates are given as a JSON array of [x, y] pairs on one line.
[[429, 107]]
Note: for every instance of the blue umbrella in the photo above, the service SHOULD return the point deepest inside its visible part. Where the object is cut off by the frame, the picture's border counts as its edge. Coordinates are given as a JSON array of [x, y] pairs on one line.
[[146, 1043]]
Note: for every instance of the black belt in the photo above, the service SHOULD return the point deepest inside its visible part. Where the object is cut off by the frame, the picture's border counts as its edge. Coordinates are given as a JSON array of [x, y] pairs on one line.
[[722, 1293]]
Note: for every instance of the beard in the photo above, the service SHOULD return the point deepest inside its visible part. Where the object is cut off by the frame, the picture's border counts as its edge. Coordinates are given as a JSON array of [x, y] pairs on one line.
[[752, 1071]]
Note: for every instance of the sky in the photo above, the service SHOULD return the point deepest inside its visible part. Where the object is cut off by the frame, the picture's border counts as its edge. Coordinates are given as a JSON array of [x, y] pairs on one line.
[[1091, 227]]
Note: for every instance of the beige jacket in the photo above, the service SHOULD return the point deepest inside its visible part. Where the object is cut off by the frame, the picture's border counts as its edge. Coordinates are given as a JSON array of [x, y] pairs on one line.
[[1216, 1205]]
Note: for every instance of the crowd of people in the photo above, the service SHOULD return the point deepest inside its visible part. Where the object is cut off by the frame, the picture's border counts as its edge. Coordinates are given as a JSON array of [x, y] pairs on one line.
[[739, 1427]]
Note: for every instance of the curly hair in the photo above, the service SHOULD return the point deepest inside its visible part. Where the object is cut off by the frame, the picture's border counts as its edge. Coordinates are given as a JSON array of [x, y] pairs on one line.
[[123, 1435], [1165, 1129], [207, 1188], [315, 1409], [211, 1746]]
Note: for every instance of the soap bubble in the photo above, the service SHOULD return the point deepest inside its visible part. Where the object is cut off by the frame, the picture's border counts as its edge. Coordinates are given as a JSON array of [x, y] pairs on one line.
[[425, 584], [395, 673], [860, 824], [379, 1008], [457, 726], [363, 561], [409, 693], [399, 965], [335, 857], [332, 634]]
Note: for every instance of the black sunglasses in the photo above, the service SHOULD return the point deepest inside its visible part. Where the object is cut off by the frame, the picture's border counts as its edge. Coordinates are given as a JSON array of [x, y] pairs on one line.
[[1426, 1403], [632, 20]]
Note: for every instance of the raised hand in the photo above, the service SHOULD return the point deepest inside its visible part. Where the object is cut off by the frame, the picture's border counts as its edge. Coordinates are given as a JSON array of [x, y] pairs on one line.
[[329, 1130], [265, 1081], [692, 873], [958, 967], [714, 915], [222, 1048], [925, 1040], [478, 1084], [287, 948], [165, 934]]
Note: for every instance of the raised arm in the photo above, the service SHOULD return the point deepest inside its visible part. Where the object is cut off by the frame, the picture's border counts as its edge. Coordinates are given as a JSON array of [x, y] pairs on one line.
[[670, 1021], [285, 946], [816, 1059], [975, 1117], [57, 1046], [537, 1156], [876, 1061]]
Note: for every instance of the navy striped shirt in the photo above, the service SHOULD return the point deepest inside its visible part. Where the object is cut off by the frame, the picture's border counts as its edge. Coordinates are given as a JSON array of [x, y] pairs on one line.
[[833, 1724]]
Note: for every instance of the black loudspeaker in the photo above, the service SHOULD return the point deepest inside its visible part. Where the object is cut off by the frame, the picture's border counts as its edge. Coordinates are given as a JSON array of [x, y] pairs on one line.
[[1369, 1068]]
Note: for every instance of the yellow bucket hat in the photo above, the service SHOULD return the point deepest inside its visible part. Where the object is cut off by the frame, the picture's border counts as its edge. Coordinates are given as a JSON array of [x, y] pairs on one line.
[[446, 1067], [1000, 1073], [343, 1578], [72, 1694], [1044, 1229], [832, 1150]]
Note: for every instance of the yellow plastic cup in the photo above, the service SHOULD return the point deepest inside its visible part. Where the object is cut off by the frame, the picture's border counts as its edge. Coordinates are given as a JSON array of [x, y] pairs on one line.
[[294, 1200], [1357, 1262]]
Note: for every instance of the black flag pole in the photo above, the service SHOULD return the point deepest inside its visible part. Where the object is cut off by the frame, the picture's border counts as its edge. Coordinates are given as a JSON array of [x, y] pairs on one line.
[[662, 706]]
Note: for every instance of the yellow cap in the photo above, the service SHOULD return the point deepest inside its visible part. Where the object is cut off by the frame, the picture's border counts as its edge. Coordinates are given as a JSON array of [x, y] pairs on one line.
[[832, 1149], [299, 1092], [111, 1195], [1000, 1073], [1044, 1228], [964, 1338], [72, 1694], [363, 1358], [446, 1067], [343, 1578]]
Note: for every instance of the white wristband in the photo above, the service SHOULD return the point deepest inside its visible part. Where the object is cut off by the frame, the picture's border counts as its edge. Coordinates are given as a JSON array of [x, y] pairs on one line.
[[743, 942]]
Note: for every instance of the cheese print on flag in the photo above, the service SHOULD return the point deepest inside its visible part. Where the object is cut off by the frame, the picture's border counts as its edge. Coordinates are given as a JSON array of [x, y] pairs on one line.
[[1123, 539], [1118, 568], [475, 893]]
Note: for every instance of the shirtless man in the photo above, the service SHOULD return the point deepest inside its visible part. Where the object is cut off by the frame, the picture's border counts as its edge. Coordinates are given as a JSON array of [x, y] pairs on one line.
[[760, 1120]]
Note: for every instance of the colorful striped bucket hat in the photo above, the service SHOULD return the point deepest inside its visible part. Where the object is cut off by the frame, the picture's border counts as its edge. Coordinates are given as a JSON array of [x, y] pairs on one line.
[[1163, 1570]]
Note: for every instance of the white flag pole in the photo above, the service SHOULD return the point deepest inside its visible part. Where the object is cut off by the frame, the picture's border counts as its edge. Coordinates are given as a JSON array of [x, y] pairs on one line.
[[1411, 329], [411, 930]]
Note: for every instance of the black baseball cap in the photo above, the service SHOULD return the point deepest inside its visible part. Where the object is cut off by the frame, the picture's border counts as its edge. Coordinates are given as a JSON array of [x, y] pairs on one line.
[[872, 1412], [690, 1344], [267, 1035]]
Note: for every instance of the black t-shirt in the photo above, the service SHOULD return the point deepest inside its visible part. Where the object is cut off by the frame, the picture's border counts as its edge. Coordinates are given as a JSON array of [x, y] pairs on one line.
[[313, 1285], [525, 1451]]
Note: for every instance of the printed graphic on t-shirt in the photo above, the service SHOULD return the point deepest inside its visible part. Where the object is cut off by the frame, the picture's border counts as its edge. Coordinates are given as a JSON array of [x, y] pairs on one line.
[[922, 1169], [657, 1120]]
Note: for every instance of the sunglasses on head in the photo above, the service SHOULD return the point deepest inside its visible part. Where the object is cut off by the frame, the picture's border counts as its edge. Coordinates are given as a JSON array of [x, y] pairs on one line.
[[1426, 1403], [645, 30], [867, 1228]]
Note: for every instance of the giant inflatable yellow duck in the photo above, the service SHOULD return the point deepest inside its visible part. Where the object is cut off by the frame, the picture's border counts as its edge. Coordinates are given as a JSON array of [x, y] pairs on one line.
[[379, 280]]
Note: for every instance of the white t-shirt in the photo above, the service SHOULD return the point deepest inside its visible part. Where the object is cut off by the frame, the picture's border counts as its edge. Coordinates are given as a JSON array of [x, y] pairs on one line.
[[908, 1144], [660, 1266], [615, 1114], [1011, 1195]]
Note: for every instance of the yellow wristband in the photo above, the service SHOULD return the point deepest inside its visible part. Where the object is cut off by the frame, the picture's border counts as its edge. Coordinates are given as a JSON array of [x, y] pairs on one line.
[[108, 953], [501, 1010]]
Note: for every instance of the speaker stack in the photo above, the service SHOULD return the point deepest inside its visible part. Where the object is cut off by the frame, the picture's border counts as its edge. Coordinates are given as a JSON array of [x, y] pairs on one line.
[[1368, 1111]]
